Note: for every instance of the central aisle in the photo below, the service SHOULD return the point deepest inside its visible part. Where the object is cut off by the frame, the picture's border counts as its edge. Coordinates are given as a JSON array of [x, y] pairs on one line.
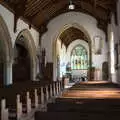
[[93, 90]]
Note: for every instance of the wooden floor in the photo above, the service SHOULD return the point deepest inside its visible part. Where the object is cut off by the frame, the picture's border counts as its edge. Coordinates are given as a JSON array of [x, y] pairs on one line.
[[93, 90]]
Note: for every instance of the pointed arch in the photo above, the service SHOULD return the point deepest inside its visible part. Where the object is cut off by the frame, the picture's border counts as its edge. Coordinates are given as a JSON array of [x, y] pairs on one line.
[[85, 32], [5, 40], [29, 41], [7, 52], [30, 46]]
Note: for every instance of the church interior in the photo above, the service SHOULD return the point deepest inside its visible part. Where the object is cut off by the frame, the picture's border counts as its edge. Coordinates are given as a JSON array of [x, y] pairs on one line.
[[59, 59]]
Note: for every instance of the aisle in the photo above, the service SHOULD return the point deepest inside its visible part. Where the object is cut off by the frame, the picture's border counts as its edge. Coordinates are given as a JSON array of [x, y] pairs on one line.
[[93, 90]]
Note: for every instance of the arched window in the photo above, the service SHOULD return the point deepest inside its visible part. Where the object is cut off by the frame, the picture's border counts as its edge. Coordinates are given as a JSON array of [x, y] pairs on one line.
[[79, 58]]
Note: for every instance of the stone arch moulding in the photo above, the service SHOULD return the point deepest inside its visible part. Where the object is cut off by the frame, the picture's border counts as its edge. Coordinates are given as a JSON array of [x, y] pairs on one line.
[[75, 25], [6, 39], [8, 52], [81, 28], [30, 45]]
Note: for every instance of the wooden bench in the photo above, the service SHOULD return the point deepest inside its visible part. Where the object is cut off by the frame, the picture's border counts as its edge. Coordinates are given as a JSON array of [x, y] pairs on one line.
[[21, 98], [74, 116]]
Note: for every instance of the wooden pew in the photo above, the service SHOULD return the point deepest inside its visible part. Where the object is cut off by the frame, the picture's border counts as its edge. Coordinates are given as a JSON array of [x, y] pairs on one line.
[[4, 110], [21, 95], [56, 116], [86, 105], [54, 89], [63, 107], [36, 98], [19, 107], [51, 91], [74, 116], [46, 93], [42, 96]]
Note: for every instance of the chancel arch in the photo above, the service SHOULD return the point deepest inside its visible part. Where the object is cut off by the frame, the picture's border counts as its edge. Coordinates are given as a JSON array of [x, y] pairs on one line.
[[80, 21], [68, 35], [24, 57], [78, 55], [5, 54]]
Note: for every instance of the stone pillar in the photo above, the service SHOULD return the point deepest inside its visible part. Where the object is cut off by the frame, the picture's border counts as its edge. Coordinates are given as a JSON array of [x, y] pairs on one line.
[[111, 36], [8, 73], [33, 73]]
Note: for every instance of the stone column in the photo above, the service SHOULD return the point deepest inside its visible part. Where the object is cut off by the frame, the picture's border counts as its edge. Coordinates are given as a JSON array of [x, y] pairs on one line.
[[33, 73], [111, 37], [8, 73]]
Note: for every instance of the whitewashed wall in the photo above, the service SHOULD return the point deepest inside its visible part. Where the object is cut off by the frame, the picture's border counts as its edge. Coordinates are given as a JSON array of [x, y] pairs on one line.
[[88, 23]]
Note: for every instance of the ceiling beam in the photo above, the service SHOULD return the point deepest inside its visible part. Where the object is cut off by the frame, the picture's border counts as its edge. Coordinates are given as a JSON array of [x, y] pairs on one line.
[[40, 12]]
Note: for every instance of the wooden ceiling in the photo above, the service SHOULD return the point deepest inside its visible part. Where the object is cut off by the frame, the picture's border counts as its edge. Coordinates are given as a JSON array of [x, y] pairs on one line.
[[38, 12], [72, 34]]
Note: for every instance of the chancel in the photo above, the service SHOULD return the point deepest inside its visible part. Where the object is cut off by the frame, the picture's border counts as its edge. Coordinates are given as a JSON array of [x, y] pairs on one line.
[[59, 59]]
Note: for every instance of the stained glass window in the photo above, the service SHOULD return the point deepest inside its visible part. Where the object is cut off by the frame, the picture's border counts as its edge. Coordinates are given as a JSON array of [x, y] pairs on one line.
[[79, 58]]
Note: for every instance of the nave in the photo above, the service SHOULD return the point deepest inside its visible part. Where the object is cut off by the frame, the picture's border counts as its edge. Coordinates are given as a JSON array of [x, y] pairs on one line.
[[46, 45], [43, 100], [19, 102]]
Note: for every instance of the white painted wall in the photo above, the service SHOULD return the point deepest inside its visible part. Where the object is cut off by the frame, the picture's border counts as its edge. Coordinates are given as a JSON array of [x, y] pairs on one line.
[[8, 17], [86, 22], [56, 26]]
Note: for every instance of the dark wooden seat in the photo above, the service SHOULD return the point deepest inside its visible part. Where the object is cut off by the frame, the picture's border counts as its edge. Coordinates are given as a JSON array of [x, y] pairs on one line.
[[74, 116], [10, 93], [56, 116]]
